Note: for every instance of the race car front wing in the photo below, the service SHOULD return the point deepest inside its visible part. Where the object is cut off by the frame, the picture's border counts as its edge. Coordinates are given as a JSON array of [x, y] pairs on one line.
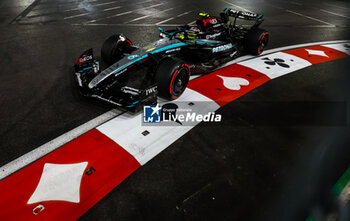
[[121, 95]]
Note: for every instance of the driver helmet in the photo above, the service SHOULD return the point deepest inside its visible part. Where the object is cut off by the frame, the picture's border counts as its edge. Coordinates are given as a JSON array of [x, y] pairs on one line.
[[194, 29]]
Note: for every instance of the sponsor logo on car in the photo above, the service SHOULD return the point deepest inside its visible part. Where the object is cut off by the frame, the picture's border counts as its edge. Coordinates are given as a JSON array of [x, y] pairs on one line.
[[130, 90], [248, 14], [83, 59], [151, 90], [172, 50], [213, 36], [213, 21], [131, 57], [222, 48]]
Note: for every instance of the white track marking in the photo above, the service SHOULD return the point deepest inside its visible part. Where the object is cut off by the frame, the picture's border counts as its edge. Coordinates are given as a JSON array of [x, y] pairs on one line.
[[337, 6], [124, 13], [106, 3], [127, 131], [333, 13], [276, 64], [340, 47], [59, 182], [270, 51], [112, 16], [97, 5], [72, 9], [191, 23], [56, 143], [76, 16], [237, 6], [312, 18], [75, 9], [146, 16], [52, 145], [113, 8], [169, 19]]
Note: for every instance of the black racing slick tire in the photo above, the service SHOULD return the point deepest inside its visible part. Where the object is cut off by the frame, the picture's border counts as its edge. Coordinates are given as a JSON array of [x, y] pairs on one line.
[[172, 77], [256, 41], [114, 48]]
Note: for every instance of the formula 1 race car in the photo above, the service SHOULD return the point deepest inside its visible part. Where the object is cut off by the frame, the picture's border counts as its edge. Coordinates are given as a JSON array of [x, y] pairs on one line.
[[137, 75]]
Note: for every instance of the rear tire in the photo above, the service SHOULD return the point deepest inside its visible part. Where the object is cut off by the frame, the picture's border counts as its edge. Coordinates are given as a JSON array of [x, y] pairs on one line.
[[172, 77], [256, 41], [114, 48]]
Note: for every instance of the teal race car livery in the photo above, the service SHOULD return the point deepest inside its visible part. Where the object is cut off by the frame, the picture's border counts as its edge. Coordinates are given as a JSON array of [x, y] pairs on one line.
[[137, 75]]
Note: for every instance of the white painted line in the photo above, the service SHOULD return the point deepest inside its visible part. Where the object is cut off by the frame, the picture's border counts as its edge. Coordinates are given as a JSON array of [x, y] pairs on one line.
[[97, 5], [166, 20], [333, 13], [185, 13], [169, 19], [191, 23], [52, 145], [123, 13], [315, 19], [112, 16], [237, 6], [75, 16], [146, 16], [74, 9], [109, 9], [56, 143], [337, 6], [106, 3]]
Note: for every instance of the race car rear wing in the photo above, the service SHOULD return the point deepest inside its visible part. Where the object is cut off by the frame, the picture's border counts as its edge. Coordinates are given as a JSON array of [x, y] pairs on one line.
[[228, 12], [242, 14]]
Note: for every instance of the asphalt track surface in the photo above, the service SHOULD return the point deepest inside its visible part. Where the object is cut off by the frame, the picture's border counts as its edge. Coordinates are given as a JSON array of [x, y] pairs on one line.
[[247, 168]]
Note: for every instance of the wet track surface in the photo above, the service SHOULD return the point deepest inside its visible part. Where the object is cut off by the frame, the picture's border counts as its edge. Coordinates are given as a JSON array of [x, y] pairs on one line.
[[246, 168]]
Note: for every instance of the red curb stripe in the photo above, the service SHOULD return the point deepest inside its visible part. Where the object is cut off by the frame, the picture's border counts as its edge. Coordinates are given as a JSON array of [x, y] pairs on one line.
[[211, 85], [111, 162], [332, 54]]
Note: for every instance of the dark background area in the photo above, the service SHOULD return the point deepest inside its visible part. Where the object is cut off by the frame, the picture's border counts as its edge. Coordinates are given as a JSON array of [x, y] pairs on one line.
[[243, 169]]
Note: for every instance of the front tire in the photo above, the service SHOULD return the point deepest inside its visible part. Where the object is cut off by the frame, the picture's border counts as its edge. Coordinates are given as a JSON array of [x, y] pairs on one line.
[[172, 77], [256, 41], [114, 48]]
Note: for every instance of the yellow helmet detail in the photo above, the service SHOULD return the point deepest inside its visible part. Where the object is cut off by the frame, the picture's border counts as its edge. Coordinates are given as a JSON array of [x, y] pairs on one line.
[[204, 14]]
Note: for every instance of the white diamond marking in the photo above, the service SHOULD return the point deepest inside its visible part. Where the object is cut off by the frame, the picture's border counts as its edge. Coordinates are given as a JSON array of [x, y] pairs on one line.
[[317, 52], [59, 182]]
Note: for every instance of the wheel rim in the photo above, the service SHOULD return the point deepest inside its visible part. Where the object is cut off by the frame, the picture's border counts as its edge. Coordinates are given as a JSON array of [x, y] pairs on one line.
[[179, 83], [263, 43]]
